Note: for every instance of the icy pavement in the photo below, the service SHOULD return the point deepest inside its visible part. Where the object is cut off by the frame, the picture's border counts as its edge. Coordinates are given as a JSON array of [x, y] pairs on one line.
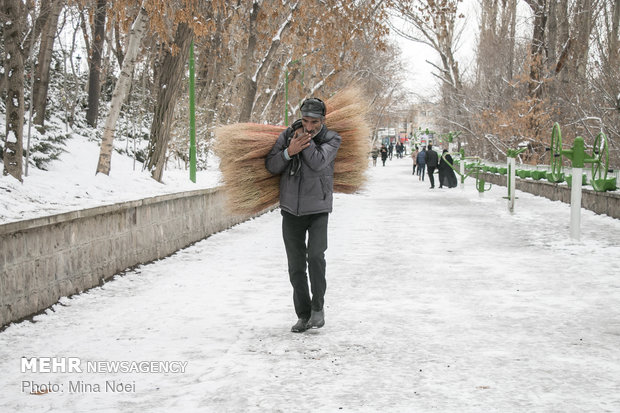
[[437, 300]]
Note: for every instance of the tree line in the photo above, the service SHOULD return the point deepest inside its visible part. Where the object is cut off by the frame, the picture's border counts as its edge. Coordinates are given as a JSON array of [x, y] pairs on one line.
[[559, 63], [249, 55], [536, 62]]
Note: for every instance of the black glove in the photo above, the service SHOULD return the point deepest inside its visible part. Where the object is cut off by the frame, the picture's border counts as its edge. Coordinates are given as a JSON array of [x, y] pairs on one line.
[[296, 125], [290, 132]]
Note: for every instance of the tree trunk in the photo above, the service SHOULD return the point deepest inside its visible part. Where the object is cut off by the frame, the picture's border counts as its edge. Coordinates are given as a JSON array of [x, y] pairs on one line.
[[564, 40], [482, 40], [121, 90], [252, 83], [248, 87], [42, 70], [537, 49], [537, 64], [31, 38], [553, 48], [118, 47], [2, 64], [94, 83], [212, 75], [14, 68], [513, 30], [582, 44], [172, 73], [614, 41]]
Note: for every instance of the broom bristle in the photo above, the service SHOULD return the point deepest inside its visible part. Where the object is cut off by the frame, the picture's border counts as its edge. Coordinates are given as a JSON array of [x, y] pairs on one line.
[[243, 147]]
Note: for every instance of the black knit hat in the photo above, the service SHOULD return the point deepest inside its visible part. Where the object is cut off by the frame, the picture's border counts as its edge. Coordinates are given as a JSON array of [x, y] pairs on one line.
[[313, 107]]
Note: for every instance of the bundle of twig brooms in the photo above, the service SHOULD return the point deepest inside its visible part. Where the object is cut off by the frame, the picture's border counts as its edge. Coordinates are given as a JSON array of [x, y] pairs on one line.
[[243, 147]]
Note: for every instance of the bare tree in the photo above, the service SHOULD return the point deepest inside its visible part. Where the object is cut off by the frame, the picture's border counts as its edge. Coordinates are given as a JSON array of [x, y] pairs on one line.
[[121, 90], [253, 72], [537, 48], [14, 13], [496, 45], [613, 54], [280, 36], [172, 72], [95, 58], [434, 23], [51, 11]]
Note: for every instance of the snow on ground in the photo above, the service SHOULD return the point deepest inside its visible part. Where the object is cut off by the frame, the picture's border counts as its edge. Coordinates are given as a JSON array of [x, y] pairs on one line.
[[437, 300], [70, 183]]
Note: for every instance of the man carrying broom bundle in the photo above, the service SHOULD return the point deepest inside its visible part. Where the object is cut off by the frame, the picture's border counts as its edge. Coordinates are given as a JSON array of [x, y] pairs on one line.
[[304, 157]]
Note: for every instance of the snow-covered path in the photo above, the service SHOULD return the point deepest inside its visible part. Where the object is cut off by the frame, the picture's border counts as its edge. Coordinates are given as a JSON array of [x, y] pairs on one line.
[[437, 300]]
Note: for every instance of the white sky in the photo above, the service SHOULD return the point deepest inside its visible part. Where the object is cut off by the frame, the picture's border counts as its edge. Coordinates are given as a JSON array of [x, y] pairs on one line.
[[437, 300], [415, 54]]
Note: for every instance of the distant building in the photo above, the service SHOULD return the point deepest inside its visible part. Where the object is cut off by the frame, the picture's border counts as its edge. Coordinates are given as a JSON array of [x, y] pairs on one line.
[[405, 125], [424, 116], [422, 119]]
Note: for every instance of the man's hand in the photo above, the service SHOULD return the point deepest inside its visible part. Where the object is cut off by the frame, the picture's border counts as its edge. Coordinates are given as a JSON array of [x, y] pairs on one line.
[[300, 141]]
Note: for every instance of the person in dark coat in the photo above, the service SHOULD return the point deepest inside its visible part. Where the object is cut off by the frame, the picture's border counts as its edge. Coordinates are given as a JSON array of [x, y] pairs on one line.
[[384, 154], [432, 160], [421, 162], [446, 173], [304, 157]]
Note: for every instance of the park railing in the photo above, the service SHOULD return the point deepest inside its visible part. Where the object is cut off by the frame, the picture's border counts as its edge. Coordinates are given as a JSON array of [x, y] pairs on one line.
[[599, 176]]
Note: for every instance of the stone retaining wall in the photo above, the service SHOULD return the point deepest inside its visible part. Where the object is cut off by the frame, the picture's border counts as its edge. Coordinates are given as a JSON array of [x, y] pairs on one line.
[[44, 259], [607, 203]]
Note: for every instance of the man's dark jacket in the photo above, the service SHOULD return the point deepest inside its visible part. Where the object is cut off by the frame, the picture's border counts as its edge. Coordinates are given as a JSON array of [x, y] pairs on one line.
[[421, 157], [432, 159], [308, 189]]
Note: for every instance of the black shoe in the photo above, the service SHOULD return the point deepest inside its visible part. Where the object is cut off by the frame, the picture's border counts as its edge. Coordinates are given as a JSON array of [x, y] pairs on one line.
[[300, 326], [317, 319], [432, 187]]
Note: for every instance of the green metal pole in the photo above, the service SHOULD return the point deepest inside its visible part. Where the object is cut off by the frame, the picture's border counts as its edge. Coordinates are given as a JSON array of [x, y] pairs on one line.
[[192, 117]]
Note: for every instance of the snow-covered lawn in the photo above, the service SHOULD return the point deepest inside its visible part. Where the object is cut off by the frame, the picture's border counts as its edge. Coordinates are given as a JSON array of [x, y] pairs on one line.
[[70, 183]]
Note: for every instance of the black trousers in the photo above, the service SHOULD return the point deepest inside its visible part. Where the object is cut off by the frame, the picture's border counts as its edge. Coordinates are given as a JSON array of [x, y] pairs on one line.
[[294, 230], [431, 176]]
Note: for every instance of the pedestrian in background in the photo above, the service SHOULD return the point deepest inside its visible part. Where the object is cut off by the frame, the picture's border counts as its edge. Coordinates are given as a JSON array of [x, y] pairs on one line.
[[384, 154], [421, 162], [432, 160], [414, 156], [446, 173], [375, 155]]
